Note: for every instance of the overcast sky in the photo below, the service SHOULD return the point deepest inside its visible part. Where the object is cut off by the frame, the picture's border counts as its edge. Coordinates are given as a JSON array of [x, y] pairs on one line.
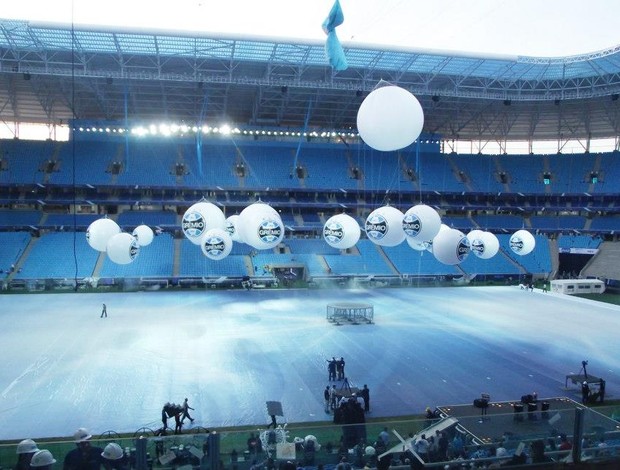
[[549, 28]]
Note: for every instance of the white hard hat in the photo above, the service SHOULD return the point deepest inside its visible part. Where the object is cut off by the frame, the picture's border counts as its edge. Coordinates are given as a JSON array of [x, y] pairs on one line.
[[27, 446], [42, 458], [370, 450], [81, 435], [112, 451]]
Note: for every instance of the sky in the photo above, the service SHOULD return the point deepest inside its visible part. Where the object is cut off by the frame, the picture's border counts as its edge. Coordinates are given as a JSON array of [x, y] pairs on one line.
[[549, 28]]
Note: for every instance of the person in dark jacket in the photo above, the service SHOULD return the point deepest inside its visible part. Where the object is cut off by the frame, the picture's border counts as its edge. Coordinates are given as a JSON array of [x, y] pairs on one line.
[[84, 456]]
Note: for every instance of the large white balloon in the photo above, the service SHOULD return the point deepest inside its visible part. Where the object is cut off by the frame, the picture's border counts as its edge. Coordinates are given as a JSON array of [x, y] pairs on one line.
[[143, 234], [429, 243], [450, 247], [390, 118], [201, 217], [216, 244], [418, 246], [421, 222], [384, 226], [261, 226], [123, 248], [341, 231], [100, 231], [522, 242], [231, 227], [484, 245]]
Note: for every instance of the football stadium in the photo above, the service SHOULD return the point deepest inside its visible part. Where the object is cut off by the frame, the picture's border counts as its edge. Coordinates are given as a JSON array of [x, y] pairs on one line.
[[247, 252]]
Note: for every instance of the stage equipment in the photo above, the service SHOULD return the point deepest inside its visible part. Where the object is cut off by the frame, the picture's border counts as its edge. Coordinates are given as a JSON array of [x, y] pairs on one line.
[[354, 313]]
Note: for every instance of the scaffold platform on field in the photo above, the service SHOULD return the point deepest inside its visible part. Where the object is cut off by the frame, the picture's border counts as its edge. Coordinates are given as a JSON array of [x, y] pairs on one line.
[[350, 312]]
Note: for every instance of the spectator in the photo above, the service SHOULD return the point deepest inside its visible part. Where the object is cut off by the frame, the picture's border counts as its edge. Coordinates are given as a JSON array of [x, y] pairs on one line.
[[114, 458], [25, 450], [84, 456], [42, 460]]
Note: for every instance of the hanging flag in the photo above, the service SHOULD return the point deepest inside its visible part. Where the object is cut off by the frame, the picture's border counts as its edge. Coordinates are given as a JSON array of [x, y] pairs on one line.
[[333, 48]]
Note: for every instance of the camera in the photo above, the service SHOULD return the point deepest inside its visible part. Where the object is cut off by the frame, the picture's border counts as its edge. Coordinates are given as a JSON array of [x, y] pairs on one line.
[[584, 363]]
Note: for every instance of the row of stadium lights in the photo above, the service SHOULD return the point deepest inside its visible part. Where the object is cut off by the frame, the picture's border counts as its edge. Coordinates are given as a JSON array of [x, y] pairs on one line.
[[169, 130]]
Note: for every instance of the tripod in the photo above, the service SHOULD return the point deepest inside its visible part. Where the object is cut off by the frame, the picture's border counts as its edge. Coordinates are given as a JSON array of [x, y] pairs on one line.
[[583, 368]]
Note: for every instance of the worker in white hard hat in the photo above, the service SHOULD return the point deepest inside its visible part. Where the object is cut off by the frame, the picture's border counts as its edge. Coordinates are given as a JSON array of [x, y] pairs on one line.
[[84, 456], [42, 460], [114, 457], [25, 450]]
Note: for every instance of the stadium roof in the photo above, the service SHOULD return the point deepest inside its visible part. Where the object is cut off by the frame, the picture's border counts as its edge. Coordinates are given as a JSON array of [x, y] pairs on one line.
[[52, 73]]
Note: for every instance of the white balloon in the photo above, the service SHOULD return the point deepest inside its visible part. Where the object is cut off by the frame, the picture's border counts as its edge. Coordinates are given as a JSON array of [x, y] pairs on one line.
[[201, 217], [450, 247], [484, 245], [429, 243], [143, 234], [232, 223], [341, 231], [384, 226], [100, 231], [216, 244], [522, 242], [390, 118], [474, 234], [261, 226], [123, 248], [418, 246], [421, 222]]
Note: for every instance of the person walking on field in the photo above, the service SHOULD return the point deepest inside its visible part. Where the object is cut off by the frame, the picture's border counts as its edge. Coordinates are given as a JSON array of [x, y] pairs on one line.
[[104, 312], [186, 409]]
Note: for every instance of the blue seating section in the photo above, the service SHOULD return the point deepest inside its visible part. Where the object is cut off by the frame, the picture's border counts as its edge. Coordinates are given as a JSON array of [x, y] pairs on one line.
[[497, 265], [327, 167], [538, 261], [569, 173], [213, 167], [68, 220], [12, 245], [92, 161], [565, 222], [609, 174], [150, 218], [578, 241], [315, 246], [269, 166], [500, 221], [194, 264], [435, 173], [464, 224], [381, 170], [525, 173], [149, 163], [16, 218], [52, 256], [24, 160], [605, 224], [480, 171], [367, 262], [417, 263], [154, 260]]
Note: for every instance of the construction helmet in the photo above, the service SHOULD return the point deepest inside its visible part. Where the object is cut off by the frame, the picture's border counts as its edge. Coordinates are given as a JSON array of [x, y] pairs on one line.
[[81, 435], [27, 446], [42, 458], [112, 451]]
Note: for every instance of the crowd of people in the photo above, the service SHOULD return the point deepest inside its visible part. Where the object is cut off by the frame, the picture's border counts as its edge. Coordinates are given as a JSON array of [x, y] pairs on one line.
[[179, 412], [83, 457]]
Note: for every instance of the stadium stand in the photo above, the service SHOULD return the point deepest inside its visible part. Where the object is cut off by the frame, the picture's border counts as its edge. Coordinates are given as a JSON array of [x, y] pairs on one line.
[[52, 256]]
